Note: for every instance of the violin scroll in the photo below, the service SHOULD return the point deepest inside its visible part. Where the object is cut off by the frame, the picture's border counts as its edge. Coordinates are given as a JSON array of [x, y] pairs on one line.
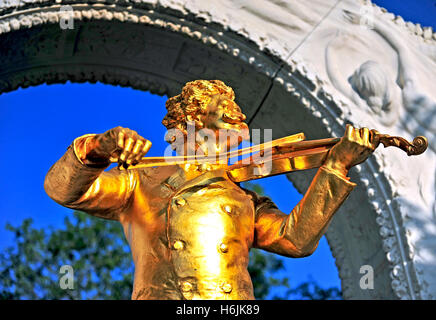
[[417, 147]]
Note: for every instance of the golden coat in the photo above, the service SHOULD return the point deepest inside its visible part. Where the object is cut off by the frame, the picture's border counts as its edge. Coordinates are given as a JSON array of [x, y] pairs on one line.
[[190, 239]]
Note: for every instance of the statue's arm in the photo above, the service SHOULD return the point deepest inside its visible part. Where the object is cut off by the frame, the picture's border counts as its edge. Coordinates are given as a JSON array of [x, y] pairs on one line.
[[332, 67], [406, 74], [334, 73], [80, 186], [405, 64], [78, 179], [298, 234]]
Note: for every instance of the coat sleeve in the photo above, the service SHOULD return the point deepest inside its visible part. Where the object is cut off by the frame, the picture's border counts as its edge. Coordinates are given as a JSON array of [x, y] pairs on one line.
[[76, 185], [298, 234]]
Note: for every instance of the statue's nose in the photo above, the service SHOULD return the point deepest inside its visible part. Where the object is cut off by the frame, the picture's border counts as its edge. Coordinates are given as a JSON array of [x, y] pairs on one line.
[[234, 117]]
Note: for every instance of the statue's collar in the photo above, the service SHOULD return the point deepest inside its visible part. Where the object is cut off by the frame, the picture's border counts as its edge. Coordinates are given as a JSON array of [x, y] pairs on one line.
[[207, 178]]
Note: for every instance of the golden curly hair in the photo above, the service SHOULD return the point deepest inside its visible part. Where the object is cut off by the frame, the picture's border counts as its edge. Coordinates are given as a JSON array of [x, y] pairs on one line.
[[192, 103]]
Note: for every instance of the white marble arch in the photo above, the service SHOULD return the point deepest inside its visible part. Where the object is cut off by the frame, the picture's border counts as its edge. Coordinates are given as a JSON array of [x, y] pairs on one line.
[[277, 56]]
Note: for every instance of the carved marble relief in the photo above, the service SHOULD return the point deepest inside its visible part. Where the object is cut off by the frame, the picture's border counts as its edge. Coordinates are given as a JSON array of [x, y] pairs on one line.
[[373, 87]]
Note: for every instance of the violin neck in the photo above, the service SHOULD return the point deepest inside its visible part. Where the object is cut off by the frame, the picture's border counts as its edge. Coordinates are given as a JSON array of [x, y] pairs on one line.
[[283, 159]]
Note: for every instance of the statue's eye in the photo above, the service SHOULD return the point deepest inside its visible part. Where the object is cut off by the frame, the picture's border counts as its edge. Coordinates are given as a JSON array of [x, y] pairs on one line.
[[227, 117]]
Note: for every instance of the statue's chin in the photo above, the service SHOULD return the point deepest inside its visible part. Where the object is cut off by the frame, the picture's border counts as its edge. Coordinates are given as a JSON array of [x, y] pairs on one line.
[[239, 132]]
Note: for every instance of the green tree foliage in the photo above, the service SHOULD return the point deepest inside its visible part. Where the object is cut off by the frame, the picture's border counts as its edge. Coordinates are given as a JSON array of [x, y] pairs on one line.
[[102, 263], [95, 248], [310, 290], [100, 257]]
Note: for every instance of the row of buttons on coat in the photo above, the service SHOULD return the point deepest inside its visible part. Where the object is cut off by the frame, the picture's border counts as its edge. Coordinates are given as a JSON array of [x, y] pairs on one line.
[[187, 286], [180, 245], [180, 202]]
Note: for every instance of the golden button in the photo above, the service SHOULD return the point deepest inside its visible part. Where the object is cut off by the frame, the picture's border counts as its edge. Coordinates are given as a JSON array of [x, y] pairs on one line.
[[186, 286], [201, 192], [180, 202], [227, 287], [224, 248], [178, 245], [204, 167], [228, 209]]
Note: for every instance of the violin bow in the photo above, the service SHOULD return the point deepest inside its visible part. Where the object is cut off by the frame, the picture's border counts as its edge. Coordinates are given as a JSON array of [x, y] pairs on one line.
[[294, 148], [195, 159]]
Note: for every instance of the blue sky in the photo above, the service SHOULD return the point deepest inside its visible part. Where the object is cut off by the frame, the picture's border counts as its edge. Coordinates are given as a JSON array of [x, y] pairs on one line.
[[37, 124]]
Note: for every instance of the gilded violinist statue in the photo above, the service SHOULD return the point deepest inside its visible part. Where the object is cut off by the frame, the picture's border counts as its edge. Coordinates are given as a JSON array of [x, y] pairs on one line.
[[190, 227]]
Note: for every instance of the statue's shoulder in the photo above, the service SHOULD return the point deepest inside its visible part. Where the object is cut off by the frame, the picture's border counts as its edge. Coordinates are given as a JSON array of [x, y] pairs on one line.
[[156, 174], [260, 201]]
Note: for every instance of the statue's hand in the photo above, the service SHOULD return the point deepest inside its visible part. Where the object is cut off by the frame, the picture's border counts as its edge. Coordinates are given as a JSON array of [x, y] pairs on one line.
[[120, 145], [355, 147]]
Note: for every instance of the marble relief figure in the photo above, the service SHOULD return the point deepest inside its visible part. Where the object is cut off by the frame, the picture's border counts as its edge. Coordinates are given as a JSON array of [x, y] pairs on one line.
[[371, 87]]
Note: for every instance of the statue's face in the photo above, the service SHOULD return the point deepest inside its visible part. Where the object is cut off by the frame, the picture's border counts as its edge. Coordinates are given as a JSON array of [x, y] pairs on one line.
[[223, 114], [225, 121]]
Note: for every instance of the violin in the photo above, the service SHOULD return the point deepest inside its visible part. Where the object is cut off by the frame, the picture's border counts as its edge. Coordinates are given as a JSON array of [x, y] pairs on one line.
[[280, 156]]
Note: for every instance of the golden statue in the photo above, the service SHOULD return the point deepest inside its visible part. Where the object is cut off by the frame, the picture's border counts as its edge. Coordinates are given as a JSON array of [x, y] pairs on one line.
[[189, 224]]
